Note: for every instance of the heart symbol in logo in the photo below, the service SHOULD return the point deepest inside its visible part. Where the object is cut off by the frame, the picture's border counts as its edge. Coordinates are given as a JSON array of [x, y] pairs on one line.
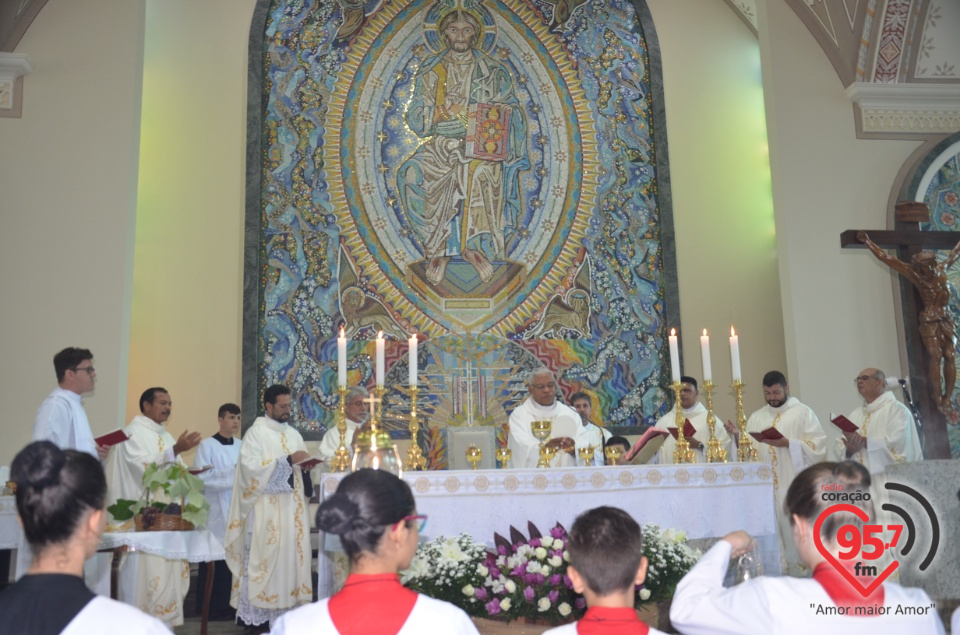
[[862, 515]]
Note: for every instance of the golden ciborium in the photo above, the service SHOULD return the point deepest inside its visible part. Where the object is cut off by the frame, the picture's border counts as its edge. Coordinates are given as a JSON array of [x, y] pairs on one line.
[[613, 453], [474, 456], [541, 430], [586, 454], [504, 455]]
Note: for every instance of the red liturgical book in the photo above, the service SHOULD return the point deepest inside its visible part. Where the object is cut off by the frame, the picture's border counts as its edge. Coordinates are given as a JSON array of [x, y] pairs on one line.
[[688, 430], [770, 434], [309, 464], [843, 423], [111, 438], [646, 446]]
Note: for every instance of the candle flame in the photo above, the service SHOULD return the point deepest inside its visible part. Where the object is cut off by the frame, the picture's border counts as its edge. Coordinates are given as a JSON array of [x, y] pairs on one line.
[[732, 332], [673, 332], [380, 335], [704, 332], [341, 330]]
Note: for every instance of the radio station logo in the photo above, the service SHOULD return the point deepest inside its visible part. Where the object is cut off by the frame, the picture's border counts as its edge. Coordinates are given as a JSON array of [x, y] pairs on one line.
[[860, 551]]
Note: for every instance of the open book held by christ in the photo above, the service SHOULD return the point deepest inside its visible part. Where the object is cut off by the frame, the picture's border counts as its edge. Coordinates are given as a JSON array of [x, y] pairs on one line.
[[488, 126]]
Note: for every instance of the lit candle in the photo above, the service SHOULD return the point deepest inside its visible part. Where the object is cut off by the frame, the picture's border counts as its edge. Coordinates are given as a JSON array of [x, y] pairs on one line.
[[412, 363], [342, 359], [674, 356], [735, 354], [705, 355], [380, 362]]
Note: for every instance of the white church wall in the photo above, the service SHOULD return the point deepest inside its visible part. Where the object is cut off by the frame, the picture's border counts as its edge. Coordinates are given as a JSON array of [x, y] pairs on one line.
[[68, 178]]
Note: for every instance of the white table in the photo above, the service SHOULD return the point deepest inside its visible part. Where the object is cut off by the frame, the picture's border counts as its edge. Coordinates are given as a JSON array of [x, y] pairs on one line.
[[704, 500]]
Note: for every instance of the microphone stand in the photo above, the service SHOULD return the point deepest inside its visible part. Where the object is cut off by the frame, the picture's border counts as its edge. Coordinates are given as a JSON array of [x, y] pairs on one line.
[[917, 420]]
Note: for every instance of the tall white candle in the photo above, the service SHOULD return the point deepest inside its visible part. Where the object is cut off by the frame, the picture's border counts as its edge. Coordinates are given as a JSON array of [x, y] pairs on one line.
[[342, 359], [735, 354], [705, 355], [674, 355], [412, 363], [380, 360]]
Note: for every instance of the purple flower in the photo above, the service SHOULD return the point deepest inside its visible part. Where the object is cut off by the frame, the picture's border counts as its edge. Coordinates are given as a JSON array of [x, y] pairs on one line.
[[518, 570], [494, 572], [529, 578], [481, 593], [502, 550], [528, 594], [558, 532], [493, 606], [538, 578], [553, 595], [580, 602], [535, 543], [555, 579], [567, 582]]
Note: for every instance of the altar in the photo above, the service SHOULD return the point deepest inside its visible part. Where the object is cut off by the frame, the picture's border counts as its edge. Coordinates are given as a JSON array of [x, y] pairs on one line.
[[704, 500]]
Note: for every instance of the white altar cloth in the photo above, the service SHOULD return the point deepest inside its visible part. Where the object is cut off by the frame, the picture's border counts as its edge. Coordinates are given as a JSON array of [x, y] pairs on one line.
[[704, 500], [198, 545]]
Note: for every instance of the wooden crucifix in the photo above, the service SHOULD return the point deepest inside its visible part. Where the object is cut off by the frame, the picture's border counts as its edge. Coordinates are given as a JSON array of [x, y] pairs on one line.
[[929, 325]]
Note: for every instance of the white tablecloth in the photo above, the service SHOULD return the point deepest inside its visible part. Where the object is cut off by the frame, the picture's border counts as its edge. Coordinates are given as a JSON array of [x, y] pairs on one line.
[[196, 546], [704, 500]]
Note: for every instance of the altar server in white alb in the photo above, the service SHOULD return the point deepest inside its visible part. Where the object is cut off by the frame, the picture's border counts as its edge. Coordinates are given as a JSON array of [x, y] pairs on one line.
[[217, 456], [825, 604], [375, 515], [61, 418], [606, 565], [60, 500], [589, 434], [887, 433], [268, 529], [542, 405], [356, 410], [804, 444], [150, 582], [696, 413]]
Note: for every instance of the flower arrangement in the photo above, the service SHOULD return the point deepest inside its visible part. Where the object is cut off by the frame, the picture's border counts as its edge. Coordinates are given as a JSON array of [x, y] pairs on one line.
[[669, 558], [449, 569]]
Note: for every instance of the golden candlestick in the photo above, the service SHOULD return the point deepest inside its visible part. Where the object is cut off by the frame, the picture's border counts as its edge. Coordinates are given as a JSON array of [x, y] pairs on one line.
[[715, 453], [586, 454], [682, 452], [474, 456], [504, 455], [415, 459], [745, 449], [341, 458], [613, 453], [379, 392], [541, 431]]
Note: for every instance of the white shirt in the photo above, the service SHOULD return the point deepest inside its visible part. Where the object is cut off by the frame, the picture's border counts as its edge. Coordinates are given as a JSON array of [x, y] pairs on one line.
[[218, 481], [104, 616], [782, 605], [428, 617], [62, 420]]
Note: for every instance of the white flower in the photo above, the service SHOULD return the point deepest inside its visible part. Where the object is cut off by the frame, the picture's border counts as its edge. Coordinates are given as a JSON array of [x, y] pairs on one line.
[[450, 550], [543, 604], [483, 571], [501, 560], [505, 604], [555, 561], [566, 555], [564, 609], [533, 567], [644, 594], [541, 553], [545, 570], [546, 541], [510, 586], [469, 591], [418, 568]]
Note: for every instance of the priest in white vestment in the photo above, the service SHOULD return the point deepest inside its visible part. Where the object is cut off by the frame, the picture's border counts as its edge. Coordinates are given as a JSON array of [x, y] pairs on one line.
[[268, 529], [356, 411], [804, 444], [153, 584], [696, 413], [541, 405], [218, 456], [589, 434]]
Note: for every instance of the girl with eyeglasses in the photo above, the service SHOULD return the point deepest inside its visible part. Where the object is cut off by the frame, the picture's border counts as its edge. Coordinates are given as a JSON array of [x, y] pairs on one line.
[[375, 516]]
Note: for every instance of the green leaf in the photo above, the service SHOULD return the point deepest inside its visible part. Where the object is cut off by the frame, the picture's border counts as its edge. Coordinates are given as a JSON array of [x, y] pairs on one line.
[[125, 509]]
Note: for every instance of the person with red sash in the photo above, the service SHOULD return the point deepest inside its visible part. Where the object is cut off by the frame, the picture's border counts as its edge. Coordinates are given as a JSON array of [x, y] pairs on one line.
[[606, 576], [826, 603], [375, 515]]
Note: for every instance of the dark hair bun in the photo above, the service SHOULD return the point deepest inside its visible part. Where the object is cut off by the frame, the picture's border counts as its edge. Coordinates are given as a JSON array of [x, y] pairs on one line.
[[38, 466], [338, 515]]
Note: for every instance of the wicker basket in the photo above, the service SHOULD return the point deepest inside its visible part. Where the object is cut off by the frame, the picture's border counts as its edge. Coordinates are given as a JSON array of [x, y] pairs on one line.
[[164, 522]]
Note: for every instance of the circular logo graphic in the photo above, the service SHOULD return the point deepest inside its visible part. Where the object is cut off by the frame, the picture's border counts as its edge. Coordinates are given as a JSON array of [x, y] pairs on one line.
[[540, 482], [653, 477], [482, 483], [569, 481], [737, 474], [511, 483], [626, 479], [764, 472], [452, 484], [330, 485], [597, 479], [683, 477], [710, 475], [422, 484]]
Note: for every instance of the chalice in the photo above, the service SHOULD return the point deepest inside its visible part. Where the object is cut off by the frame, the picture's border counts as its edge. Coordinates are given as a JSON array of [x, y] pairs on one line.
[[503, 455], [613, 453], [586, 454], [474, 456], [541, 430]]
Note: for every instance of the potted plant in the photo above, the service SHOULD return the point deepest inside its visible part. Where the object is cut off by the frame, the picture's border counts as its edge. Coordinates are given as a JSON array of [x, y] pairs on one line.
[[177, 501]]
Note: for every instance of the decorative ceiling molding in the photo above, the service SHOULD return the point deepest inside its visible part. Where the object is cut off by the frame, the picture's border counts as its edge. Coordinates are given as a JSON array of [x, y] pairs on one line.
[[16, 16], [746, 10], [905, 110], [13, 66]]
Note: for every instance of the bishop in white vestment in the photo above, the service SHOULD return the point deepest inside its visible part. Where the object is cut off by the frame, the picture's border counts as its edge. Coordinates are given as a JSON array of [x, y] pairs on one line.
[[541, 405], [268, 529], [153, 584], [804, 444], [696, 413]]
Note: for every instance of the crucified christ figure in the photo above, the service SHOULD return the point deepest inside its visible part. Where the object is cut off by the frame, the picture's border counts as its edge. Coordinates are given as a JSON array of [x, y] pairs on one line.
[[937, 330]]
